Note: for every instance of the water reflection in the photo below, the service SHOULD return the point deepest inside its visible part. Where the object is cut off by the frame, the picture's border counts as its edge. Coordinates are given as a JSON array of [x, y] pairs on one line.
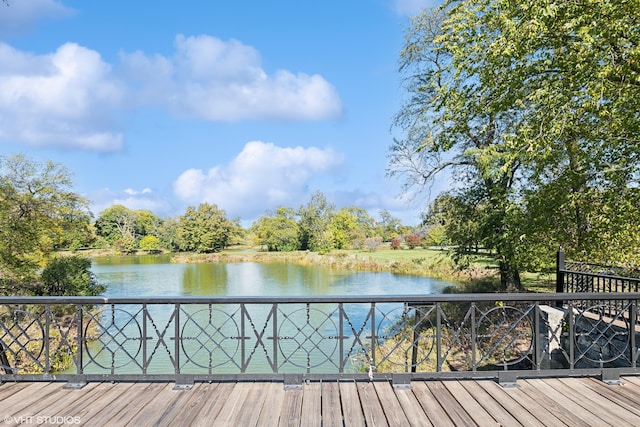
[[155, 275]]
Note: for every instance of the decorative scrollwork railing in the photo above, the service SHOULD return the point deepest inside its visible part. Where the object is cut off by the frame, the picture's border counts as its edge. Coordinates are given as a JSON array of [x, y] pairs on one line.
[[190, 339]]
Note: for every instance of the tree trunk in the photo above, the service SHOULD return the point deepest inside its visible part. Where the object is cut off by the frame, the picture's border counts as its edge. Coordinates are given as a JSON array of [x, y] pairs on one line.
[[510, 278]]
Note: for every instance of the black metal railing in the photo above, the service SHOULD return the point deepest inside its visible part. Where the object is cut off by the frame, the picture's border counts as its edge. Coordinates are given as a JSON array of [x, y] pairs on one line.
[[184, 339], [579, 277]]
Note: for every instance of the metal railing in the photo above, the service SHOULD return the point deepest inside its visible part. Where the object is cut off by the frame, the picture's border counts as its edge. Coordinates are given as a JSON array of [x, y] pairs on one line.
[[184, 339], [580, 277]]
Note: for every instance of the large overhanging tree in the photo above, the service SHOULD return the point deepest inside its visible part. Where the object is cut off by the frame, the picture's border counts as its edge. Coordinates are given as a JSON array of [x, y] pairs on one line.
[[534, 109], [37, 210]]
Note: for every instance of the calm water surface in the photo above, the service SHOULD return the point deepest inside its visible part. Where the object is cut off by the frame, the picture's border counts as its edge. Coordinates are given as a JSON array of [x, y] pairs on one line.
[[155, 275]]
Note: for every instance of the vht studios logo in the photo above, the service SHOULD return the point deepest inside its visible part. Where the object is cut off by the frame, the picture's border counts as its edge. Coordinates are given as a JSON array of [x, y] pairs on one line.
[[41, 419]]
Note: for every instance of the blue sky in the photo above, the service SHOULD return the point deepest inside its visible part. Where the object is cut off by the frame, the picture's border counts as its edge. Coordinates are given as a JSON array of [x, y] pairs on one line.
[[249, 105]]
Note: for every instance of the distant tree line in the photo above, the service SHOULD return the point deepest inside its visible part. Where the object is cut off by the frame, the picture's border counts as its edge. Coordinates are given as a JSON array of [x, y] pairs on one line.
[[316, 226]]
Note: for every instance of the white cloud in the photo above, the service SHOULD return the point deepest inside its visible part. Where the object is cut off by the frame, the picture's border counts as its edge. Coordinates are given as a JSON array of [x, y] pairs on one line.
[[223, 81], [69, 98], [413, 7], [62, 99], [144, 199], [262, 177], [21, 15]]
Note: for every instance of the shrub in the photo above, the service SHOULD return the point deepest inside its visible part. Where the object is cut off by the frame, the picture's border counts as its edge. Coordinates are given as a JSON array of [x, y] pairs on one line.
[[413, 241]]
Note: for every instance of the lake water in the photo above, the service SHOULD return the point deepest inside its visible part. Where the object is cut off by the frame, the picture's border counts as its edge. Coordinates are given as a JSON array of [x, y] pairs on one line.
[[155, 275]]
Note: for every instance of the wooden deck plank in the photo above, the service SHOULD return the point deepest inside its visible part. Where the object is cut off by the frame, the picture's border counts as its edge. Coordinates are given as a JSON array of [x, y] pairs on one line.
[[351, 406], [108, 395], [470, 405], [553, 402], [492, 405], [523, 414], [547, 412], [622, 395], [331, 405], [41, 405], [371, 406], [452, 407], [19, 403], [8, 389], [311, 404], [231, 408], [291, 409], [412, 408], [252, 406], [212, 403], [390, 404], [430, 404], [65, 402], [273, 404], [573, 399], [183, 407], [135, 403], [592, 400], [560, 406], [160, 406], [634, 380]]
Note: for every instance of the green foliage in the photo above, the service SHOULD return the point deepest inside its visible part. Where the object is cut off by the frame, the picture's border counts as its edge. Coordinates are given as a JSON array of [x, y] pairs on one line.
[[205, 229], [117, 223], [150, 244], [69, 276], [347, 227], [278, 232], [533, 110], [388, 227], [314, 224], [38, 213]]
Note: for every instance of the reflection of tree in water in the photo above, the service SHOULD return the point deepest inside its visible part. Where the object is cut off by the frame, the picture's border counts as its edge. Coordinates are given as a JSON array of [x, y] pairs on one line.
[[205, 279]]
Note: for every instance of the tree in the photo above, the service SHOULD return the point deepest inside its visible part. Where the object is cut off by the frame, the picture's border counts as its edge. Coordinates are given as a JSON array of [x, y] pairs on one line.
[[117, 223], [205, 229], [315, 219], [389, 226], [147, 223], [69, 276], [519, 101], [168, 234], [347, 227], [413, 241], [38, 210], [574, 67], [150, 244], [279, 231]]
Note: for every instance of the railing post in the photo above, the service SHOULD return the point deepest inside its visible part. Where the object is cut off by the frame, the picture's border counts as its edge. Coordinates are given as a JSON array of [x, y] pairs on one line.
[[560, 266]]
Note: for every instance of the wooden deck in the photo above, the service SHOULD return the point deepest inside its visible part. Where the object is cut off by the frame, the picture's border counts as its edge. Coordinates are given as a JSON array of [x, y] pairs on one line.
[[537, 402]]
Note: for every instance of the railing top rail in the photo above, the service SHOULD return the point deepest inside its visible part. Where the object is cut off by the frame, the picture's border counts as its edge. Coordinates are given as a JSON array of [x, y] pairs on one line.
[[600, 275], [428, 298]]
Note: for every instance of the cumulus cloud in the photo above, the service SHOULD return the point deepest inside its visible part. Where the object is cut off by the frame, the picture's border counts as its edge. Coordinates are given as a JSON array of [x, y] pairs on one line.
[[218, 80], [70, 98], [145, 199], [263, 176], [21, 15], [62, 99]]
